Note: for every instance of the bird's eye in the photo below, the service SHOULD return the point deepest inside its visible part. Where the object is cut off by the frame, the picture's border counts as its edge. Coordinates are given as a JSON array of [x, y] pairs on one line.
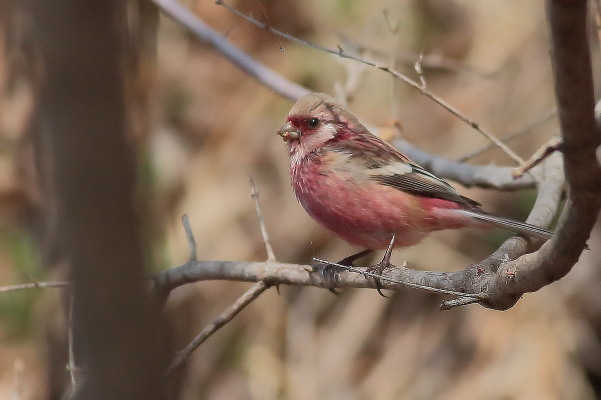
[[312, 122]]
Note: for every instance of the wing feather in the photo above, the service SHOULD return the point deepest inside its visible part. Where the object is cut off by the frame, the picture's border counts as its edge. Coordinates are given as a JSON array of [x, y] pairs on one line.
[[387, 166]]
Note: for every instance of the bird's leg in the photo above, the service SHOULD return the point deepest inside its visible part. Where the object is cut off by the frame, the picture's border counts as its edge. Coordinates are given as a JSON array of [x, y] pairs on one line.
[[331, 271], [348, 261], [382, 265]]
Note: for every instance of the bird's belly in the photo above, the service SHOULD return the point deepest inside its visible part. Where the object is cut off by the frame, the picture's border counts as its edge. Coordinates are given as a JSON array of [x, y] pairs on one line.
[[364, 213]]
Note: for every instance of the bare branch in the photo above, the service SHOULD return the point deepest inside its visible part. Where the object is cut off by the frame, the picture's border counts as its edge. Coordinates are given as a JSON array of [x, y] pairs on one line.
[[581, 137], [71, 367], [419, 71], [514, 135], [433, 62], [241, 303], [264, 235], [223, 318], [34, 285], [383, 67], [461, 301], [366, 273], [539, 155], [189, 237], [258, 71]]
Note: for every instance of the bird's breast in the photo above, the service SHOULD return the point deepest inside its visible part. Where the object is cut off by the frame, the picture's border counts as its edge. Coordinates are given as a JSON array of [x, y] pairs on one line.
[[347, 203]]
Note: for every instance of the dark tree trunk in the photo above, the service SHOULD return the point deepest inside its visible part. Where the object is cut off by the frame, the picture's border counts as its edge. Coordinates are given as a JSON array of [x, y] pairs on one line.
[[86, 152]]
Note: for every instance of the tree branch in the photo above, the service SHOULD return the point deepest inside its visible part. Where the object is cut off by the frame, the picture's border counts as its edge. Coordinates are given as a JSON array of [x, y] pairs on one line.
[[256, 70], [581, 137], [226, 316], [514, 135], [34, 285]]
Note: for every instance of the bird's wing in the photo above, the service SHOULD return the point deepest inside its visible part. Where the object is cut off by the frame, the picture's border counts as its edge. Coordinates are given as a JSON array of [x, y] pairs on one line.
[[387, 166], [414, 179]]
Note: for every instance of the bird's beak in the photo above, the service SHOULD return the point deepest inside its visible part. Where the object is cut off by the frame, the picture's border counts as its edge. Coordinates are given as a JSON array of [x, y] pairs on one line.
[[289, 132]]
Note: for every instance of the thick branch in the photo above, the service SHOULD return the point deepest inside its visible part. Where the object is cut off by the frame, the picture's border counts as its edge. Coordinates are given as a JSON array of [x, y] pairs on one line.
[[581, 137]]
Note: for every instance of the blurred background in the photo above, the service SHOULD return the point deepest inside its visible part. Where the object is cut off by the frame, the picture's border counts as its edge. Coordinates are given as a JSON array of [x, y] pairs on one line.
[[202, 127]]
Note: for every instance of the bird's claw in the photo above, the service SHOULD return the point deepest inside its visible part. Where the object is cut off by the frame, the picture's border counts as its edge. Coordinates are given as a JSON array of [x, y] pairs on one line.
[[377, 270], [381, 266], [331, 271]]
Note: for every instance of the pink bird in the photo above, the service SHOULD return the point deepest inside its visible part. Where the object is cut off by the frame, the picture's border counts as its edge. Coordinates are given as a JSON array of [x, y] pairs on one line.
[[365, 191]]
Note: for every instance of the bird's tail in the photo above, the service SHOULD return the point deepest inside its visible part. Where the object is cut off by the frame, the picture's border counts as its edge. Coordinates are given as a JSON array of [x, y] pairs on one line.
[[510, 225]]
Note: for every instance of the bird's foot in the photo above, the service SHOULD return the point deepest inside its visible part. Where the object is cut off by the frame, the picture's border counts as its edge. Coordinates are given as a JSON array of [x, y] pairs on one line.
[[331, 271], [381, 266]]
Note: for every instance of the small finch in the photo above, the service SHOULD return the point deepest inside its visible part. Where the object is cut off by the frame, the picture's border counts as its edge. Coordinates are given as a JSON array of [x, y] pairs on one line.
[[364, 190]]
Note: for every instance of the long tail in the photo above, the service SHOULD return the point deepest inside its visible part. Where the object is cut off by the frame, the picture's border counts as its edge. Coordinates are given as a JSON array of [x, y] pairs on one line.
[[510, 225]]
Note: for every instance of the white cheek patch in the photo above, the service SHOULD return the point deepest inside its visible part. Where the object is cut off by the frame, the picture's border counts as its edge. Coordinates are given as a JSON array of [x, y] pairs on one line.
[[315, 140], [311, 142], [324, 133]]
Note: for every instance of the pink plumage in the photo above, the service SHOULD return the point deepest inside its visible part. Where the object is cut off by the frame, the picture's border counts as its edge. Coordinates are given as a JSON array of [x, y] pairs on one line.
[[364, 190]]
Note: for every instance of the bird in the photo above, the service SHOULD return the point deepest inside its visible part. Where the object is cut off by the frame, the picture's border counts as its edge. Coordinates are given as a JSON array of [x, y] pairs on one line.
[[367, 192]]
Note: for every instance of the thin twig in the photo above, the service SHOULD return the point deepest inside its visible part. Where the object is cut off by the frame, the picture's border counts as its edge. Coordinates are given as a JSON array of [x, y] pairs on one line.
[[514, 135], [420, 72], [189, 236], [71, 366], [383, 67], [461, 301], [539, 155], [34, 285], [435, 62], [264, 235], [222, 319]]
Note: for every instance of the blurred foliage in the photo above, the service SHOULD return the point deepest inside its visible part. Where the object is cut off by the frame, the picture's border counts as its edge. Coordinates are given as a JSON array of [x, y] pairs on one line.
[[208, 127]]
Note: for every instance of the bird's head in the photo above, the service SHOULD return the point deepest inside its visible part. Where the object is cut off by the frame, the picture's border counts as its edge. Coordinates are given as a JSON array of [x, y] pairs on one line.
[[314, 120]]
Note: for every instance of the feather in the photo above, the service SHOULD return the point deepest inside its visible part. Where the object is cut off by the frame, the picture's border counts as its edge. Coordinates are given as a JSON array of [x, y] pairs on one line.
[[509, 224], [413, 179]]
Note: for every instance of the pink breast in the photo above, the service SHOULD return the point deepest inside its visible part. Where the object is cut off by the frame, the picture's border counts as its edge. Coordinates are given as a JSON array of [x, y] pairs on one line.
[[361, 212]]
